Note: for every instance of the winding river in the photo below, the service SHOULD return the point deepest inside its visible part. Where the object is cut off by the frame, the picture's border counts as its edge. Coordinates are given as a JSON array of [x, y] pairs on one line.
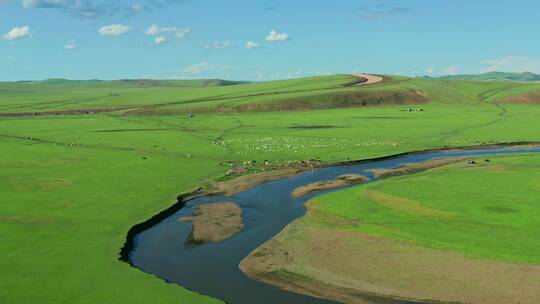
[[212, 269]]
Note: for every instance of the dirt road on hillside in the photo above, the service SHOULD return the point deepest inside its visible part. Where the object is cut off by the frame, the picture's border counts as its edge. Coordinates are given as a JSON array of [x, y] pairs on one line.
[[370, 79]]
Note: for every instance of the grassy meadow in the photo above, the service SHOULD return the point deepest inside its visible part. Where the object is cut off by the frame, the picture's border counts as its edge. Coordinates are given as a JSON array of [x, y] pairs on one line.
[[72, 185], [486, 211]]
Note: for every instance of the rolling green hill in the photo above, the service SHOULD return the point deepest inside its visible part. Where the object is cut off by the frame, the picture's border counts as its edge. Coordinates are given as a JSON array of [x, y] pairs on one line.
[[171, 97], [61, 82], [73, 181]]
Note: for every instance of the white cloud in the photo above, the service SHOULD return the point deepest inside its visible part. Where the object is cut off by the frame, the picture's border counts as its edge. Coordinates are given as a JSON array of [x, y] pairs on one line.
[[138, 8], [451, 70], [218, 45], [252, 45], [152, 30], [168, 29], [275, 36], [92, 9], [70, 46], [513, 64], [204, 67], [43, 3], [182, 33], [18, 33], [114, 30], [179, 33], [160, 40], [29, 3], [380, 11], [430, 71], [85, 9]]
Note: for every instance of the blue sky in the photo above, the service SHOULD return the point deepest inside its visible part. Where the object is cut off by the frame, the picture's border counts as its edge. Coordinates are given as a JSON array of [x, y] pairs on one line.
[[263, 40]]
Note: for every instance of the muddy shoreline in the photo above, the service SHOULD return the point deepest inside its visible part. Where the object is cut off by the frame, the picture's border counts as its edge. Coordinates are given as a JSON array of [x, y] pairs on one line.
[[341, 181], [341, 294], [406, 169]]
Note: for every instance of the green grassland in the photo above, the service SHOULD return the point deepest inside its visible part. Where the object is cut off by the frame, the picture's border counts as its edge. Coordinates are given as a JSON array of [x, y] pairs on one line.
[[305, 93], [65, 95], [72, 185], [488, 210]]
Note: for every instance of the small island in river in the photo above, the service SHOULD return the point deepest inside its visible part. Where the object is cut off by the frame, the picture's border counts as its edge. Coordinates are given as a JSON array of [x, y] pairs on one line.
[[214, 223]]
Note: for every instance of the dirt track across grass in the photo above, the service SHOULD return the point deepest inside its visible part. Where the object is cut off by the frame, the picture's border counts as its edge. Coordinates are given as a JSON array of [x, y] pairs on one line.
[[89, 111]]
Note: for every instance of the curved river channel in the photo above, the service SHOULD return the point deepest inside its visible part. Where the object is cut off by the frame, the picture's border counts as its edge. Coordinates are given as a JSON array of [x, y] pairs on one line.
[[212, 269]]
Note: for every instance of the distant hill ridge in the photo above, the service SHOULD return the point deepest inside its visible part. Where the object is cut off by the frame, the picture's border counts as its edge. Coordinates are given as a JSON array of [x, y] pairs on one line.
[[504, 76], [137, 82]]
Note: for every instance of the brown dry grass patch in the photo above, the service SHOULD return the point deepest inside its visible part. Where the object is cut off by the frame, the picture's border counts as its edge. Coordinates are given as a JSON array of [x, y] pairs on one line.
[[349, 99], [351, 267], [402, 204], [352, 99], [213, 223], [526, 98], [20, 184]]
